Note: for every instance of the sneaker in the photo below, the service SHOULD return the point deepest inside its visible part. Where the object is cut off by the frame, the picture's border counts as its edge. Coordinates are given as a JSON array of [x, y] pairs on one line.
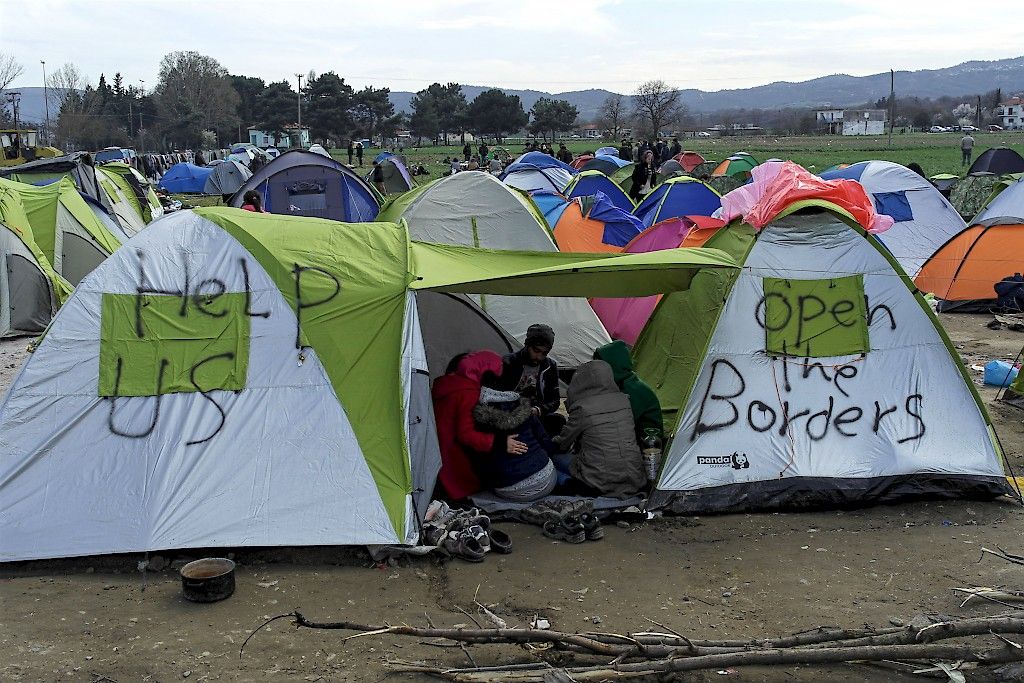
[[539, 514], [500, 542], [564, 530], [464, 546], [592, 527]]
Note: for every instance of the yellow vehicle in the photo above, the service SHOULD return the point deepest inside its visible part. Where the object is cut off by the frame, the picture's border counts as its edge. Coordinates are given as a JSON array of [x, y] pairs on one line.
[[19, 145]]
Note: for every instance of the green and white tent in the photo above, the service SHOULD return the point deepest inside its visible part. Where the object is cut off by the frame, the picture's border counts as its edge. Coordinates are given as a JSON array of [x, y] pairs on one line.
[[243, 379], [135, 188], [72, 236], [476, 209], [816, 375]]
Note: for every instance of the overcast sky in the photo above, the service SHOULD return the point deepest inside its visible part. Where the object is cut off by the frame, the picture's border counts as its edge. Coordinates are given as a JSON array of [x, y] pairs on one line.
[[550, 45]]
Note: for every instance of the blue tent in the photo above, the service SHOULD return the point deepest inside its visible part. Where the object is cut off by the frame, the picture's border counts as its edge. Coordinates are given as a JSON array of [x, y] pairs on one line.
[[591, 182], [301, 183], [538, 171], [605, 164], [675, 198], [551, 204], [185, 178]]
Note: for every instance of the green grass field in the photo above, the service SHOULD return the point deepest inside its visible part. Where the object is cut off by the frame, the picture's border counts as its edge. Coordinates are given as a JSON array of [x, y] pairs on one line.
[[936, 153]]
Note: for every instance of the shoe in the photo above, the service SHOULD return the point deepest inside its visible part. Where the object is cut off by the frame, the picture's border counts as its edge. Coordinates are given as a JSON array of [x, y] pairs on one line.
[[463, 546], [500, 542], [563, 530], [592, 527], [477, 533]]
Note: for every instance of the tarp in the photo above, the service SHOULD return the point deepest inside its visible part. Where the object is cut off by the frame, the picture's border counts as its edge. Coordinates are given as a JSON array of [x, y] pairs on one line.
[[185, 178]]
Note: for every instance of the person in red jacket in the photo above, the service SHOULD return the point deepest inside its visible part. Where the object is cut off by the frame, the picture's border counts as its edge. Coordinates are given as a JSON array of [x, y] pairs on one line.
[[455, 394]]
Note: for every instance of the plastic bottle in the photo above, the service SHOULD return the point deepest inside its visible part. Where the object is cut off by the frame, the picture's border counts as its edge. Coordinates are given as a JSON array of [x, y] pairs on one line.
[[651, 453], [999, 373]]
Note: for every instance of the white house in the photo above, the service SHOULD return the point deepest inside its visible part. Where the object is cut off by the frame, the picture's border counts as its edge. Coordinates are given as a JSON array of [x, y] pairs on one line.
[[293, 137], [1012, 114], [851, 121]]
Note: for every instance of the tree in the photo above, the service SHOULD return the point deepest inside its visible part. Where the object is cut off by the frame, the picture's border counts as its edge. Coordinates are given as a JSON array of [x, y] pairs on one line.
[[612, 114], [373, 112], [964, 113], [449, 105], [329, 101], [656, 104], [495, 112], [248, 89], [276, 108], [10, 69], [552, 115], [193, 94], [424, 121]]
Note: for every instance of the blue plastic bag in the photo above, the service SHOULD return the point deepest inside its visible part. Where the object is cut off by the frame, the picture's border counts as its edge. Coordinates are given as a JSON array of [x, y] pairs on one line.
[[999, 373]]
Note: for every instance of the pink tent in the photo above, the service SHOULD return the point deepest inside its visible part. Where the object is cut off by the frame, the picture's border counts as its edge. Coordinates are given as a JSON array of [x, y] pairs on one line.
[[625, 318]]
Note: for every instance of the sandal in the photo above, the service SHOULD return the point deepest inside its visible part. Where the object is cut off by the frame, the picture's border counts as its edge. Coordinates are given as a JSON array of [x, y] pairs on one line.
[[592, 527], [500, 542], [564, 530]]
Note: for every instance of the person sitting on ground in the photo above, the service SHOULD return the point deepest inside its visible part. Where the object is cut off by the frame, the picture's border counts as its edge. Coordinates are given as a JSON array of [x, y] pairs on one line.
[[494, 166], [642, 399], [454, 395], [456, 165], [531, 373], [644, 177], [473, 165], [519, 466], [251, 201], [605, 458]]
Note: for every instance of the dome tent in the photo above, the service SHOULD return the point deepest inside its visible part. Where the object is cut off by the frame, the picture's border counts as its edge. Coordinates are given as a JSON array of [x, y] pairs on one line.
[[998, 160], [226, 178], [267, 435], [677, 197], [538, 171], [185, 178], [592, 182], [593, 224]]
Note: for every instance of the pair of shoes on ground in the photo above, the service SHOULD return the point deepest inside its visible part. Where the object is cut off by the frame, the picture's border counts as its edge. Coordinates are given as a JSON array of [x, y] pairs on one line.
[[466, 534], [572, 521]]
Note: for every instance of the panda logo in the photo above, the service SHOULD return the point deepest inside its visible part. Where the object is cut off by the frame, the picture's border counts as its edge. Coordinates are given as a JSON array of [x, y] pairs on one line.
[[739, 461]]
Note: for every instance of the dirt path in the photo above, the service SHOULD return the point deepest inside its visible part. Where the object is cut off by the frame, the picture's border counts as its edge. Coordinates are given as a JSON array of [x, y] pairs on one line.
[[100, 619]]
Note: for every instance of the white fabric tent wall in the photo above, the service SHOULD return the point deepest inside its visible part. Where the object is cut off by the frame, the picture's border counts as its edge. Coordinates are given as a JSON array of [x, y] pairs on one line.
[[547, 179], [284, 468], [12, 247], [469, 204], [1008, 204], [910, 360]]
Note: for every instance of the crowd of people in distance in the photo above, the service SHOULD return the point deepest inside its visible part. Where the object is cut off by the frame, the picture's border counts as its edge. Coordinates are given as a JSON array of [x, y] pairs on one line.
[[500, 425]]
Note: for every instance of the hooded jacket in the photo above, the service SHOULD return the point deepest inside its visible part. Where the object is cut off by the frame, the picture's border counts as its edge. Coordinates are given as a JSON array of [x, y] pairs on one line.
[[548, 398], [504, 414], [600, 426], [461, 443], [642, 399]]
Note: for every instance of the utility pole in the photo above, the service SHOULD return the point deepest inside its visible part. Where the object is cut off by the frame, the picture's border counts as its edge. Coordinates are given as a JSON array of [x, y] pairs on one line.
[[142, 135], [299, 76], [977, 114], [892, 103], [46, 100]]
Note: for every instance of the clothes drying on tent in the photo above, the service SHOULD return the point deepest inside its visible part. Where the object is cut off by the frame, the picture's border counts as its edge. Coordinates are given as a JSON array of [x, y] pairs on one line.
[[538, 171], [593, 224], [677, 197], [185, 178], [226, 177], [476, 209], [924, 219], [592, 182], [605, 164], [868, 404], [267, 435], [689, 160], [302, 183], [739, 164], [998, 160]]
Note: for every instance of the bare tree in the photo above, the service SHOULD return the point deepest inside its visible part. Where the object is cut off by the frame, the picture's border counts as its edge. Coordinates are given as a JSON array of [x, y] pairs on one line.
[[10, 69], [64, 83], [656, 104], [612, 114]]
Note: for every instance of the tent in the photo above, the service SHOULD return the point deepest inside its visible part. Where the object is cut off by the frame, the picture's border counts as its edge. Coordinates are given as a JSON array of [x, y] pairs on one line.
[[78, 166], [739, 164], [136, 187], [1007, 201], [671, 169], [592, 182], [593, 224], [605, 164], [963, 273], [579, 161], [538, 171], [689, 160], [815, 376], [924, 219], [551, 205], [278, 393], [302, 183], [998, 160], [476, 209], [226, 178], [32, 291], [317, 148], [396, 176], [970, 195], [944, 183], [677, 197], [607, 151], [624, 177], [185, 178], [71, 236]]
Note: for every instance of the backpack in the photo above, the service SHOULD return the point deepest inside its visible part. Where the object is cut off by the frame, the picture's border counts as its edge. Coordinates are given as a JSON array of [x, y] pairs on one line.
[[1010, 293]]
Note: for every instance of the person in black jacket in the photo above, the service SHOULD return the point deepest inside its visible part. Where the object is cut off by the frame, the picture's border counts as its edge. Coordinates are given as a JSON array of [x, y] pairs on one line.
[[644, 177], [530, 372], [626, 151]]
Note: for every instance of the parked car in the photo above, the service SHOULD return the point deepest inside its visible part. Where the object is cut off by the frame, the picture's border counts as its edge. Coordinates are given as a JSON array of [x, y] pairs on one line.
[[936, 129], [994, 128], [703, 134], [968, 129], [114, 154]]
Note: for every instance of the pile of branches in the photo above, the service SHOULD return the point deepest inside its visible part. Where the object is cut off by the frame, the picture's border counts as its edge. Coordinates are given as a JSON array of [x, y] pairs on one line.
[[982, 640]]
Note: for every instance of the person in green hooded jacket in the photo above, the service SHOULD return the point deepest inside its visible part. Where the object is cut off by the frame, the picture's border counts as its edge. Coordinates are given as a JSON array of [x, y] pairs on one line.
[[642, 399]]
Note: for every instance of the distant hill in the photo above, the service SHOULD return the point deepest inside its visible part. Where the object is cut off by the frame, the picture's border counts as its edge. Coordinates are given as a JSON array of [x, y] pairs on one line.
[[837, 90]]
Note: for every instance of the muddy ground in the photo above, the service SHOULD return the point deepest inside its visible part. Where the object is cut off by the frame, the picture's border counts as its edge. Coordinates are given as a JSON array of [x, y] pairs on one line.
[[100, 619]]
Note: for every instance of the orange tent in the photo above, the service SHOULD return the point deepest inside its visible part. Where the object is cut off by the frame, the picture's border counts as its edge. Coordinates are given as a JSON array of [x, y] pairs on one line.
[[689, 160], [578, 162], [966, 269]]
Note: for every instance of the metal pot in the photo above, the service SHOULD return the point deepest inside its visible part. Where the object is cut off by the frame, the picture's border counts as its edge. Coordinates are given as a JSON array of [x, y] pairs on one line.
[[208, 580]]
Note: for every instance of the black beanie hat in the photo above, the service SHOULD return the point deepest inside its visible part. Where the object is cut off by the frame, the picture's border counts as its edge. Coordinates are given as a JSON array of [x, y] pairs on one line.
[[540, 336]]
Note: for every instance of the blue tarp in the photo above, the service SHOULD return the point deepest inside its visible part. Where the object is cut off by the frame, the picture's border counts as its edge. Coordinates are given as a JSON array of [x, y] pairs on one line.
[[591, 183], [185, 178], [676, 198], [619, 226]]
